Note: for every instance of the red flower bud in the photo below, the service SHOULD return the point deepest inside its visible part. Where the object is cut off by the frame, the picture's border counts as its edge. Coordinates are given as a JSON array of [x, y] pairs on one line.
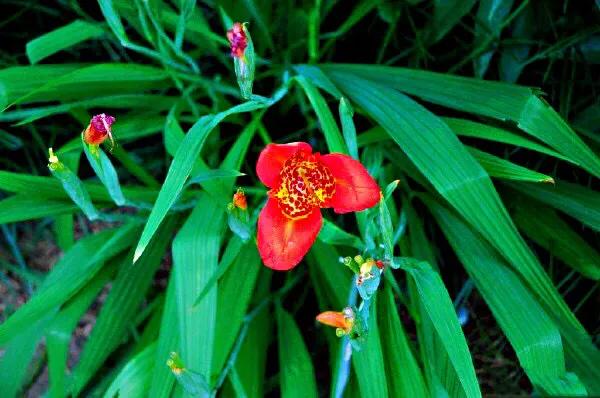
[[238, 40], [379, 264], [239, 199], [98, 129]]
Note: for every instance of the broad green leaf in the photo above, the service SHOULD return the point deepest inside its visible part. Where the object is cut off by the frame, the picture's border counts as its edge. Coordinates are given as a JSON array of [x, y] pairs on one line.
[[332, 234], [403, 374], [74, 188], [60, 330], [488, 26], [134, 378], [331, 131], [20, 80], [94, 81], [296, 372], [122, 304], [251, 361], [493, 99], [468, 128], [512, 58], [436, 301], [348, 128], [113, 19], [574, 200], [530, 330], [25, 207], [369, 361], [75, 268], [181, 167], [446, 14], [62, 38], [18, 354], [195, 253], [432, 146], [235, 292], [168, 341], [542, 225], [44, 188], [105, 171], [138, 102], [505, 169]]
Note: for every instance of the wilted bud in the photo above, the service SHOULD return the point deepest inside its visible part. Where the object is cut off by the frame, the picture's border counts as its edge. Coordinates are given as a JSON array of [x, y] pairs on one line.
[[99, 129], [53, 161], [175, 364], [242, 51], [239, 199], [342, 321]]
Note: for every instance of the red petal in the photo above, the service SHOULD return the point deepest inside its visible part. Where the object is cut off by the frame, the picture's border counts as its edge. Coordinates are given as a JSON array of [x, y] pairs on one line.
[[355, 189], [271, 160], [283, 242]]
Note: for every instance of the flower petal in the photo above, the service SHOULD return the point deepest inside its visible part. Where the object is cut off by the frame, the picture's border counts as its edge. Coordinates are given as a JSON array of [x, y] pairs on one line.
[[271, 160], [283, 242], [355, 189]]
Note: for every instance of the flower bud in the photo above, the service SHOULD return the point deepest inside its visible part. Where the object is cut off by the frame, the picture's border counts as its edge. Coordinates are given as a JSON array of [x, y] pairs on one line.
[[239, 199], [242, 51], [99, 129], [342, 321]]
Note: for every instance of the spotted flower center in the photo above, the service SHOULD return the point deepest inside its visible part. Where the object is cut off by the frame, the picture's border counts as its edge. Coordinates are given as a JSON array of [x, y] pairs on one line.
[[305, 183]]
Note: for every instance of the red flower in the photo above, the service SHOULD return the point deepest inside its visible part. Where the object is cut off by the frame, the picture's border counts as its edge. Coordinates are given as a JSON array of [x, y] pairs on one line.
[[301, 184], [238, 40], [98, 129]]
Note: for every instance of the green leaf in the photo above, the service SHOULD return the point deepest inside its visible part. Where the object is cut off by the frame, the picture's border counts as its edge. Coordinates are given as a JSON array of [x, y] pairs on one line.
[[58, 336], [74, 188], [252, 357], [18, 354], [493, 99], [431, 146], [24, 207], [332, 234], [94, 81], [529, 329], [122, 304], [446, 14], [44, 188], [489, 23], [208, 175], [17, 81], [234, 294], [168, 341], [468, 128], [134, 378], [331, 131], [113, 19], [296, 368], [62, 38], [542, 225], [436, 301], [404, 376], [572, 199], [77, 266], [105, 171], [181, 167], [505, 169], [369, 361], [387, 230], [348, 128]]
